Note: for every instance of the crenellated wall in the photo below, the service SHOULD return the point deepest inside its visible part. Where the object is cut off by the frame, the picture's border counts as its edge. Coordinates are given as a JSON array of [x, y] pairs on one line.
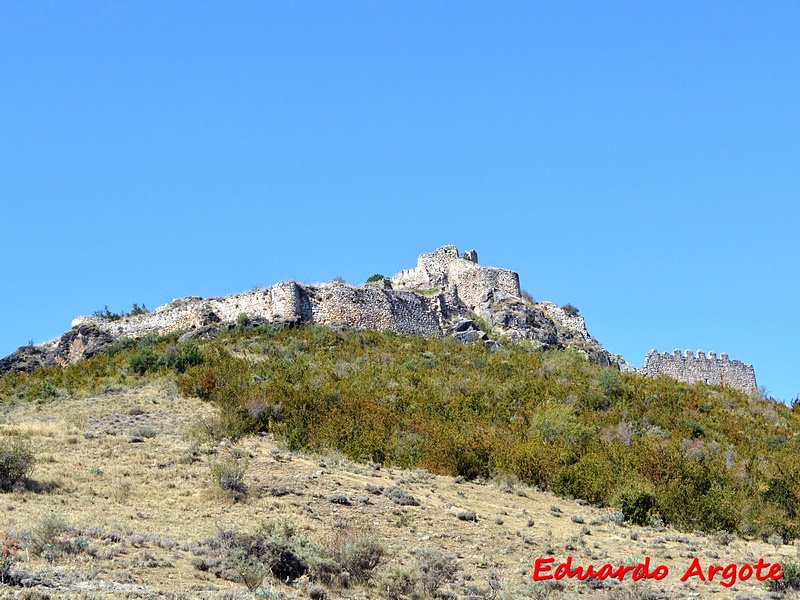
[[699, 367]]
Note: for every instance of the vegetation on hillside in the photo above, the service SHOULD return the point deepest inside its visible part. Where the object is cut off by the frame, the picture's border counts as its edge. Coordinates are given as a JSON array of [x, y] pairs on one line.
[[694, 456]]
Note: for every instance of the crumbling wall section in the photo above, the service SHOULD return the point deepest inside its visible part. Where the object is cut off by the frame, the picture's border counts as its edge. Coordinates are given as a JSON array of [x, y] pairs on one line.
[[444, 267]]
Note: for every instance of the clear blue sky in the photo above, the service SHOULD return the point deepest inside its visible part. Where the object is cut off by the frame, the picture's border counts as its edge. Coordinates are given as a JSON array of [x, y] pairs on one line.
[[640, 160]]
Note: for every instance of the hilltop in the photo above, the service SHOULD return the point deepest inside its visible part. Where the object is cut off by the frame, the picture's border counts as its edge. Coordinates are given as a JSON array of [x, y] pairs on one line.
[[445, 294]]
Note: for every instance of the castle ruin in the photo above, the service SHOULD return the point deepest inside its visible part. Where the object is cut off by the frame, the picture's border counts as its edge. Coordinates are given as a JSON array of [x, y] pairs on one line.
[[445, 294], [698, 367]]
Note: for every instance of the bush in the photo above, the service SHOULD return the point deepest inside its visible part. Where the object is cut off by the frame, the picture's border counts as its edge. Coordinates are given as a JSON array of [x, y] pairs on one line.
[[400, 581], [591, 478], [357, 553], [790, 579], [9, 546], [274, 548], [376, 277], [637, 507], [572, 311], [229, 473], [436, 568], [316, 592], [400, 496], [110, 316], [53, 537], [144, 360], [16, 464], [182, 357]]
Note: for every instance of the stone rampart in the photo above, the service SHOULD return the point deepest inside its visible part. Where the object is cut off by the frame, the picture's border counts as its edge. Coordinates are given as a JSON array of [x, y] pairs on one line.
[[327, 304], [450, 286], [443, 268], [698, 367]]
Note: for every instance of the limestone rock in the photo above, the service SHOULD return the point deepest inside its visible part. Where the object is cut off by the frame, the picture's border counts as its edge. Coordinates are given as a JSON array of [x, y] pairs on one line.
[[208, 332], [469, 336], [83, 341]]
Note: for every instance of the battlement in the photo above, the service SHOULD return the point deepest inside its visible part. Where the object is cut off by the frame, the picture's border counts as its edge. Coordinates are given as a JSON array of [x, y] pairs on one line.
[[697, 367]]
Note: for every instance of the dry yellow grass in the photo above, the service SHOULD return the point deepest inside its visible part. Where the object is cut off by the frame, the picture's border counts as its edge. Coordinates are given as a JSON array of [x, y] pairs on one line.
[[120, 469]]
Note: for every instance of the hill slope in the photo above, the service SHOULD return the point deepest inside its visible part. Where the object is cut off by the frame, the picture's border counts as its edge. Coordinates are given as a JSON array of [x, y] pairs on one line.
[[113, 517]]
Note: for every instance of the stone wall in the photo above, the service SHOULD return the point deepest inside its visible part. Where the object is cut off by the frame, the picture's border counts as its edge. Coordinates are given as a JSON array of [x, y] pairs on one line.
[[328, 304], [444, 268], [699, 367], [451, 285]]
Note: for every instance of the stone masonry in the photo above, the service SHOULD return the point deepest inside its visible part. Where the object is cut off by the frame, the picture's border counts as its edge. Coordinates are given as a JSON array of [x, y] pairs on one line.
[[699, 367], [452, 286], [443, 268]]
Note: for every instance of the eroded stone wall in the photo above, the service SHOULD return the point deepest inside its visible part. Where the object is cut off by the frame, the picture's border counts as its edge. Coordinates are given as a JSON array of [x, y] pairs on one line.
[[451, 285], [698, 367], [327, 304], [444, 268]]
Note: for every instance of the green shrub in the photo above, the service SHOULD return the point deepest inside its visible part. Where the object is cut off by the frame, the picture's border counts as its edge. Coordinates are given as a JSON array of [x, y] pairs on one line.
[[138, 310], [571, 310], [376, 277], [637, 507], [228, 473], [273, 548], [17, 460], [400, 581], [144, 360], [110, 316], [357, 553], [592, 478], [436, 568], [182, 357], [53, 537], [790, 579]]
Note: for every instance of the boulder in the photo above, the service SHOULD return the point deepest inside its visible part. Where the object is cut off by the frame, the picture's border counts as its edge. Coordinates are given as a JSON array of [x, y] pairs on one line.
[[207, 332], [469, 336], [463, 325]]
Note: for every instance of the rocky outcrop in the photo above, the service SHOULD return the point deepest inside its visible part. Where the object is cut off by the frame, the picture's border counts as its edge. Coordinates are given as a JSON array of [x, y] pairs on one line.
[[27, 359], [544, 323], [83, 341]]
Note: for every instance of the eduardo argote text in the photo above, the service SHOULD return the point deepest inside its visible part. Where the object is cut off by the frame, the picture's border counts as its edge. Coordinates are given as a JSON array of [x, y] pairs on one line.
[[726, 575]]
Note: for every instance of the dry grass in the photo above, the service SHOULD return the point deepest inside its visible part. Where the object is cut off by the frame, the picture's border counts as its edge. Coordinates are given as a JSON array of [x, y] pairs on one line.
[[131, 515]]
